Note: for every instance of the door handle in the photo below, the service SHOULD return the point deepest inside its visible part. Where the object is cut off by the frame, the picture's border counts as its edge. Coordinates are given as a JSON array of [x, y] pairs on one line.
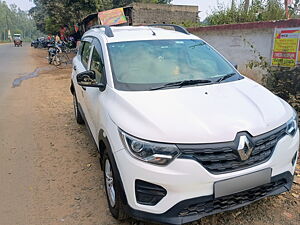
[[75, 68]]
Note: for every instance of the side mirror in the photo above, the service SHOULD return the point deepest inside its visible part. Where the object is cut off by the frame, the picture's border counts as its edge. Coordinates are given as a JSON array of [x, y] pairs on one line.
[[88, 79]]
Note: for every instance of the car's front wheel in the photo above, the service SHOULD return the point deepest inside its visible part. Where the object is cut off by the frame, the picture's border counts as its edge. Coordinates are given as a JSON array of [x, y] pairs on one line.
[[113, 190], [77, 113]]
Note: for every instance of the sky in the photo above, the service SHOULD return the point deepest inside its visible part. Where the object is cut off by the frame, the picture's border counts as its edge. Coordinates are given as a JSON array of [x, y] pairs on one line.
[[22, 4], [205, 6]]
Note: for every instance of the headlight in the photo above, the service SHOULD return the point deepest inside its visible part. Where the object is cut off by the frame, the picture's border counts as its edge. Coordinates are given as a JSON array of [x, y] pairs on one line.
[[292, 125], [155, 153]]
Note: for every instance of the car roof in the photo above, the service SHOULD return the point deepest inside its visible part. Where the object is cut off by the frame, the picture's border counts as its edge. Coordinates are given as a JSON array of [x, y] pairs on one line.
[[136, 33]]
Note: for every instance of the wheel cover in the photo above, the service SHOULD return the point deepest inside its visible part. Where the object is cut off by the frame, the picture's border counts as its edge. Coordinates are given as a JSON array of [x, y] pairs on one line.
[[109, 180]]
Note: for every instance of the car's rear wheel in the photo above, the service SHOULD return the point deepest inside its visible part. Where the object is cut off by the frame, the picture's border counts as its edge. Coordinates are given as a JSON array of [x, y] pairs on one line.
[[113, 190], [77, 113]]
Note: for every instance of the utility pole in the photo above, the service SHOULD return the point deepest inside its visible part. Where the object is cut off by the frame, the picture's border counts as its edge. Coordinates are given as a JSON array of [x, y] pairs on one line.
[[7, 26], [6, 31]]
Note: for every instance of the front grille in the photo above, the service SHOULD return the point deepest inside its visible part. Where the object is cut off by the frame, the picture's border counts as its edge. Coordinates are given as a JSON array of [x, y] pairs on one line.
[[232, 201], [221, 158]]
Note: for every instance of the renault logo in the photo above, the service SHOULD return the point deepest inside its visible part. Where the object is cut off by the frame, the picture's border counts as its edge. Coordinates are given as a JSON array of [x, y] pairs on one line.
[[245, 148]]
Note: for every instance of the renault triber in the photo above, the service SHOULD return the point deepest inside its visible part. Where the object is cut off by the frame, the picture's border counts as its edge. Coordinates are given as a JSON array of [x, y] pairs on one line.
[[180, 132]]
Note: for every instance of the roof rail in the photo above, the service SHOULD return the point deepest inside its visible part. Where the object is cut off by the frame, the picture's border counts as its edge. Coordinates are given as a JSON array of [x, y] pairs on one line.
[[108, 30], [176, 27]]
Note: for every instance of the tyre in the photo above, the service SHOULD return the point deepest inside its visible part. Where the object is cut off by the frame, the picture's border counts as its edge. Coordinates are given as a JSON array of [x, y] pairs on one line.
[[113, 190], [63, 61], [56, 60], [49, 58], [77, 113]]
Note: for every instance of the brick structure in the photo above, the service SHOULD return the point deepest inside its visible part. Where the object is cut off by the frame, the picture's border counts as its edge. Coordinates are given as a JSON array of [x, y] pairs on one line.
[[147, 13]]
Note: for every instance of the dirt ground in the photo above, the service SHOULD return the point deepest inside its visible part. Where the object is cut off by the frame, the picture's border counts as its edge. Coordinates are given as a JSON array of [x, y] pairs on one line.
[[67, 186]]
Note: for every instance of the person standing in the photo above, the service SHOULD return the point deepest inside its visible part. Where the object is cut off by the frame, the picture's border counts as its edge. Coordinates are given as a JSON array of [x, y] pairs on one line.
[[57, 38]]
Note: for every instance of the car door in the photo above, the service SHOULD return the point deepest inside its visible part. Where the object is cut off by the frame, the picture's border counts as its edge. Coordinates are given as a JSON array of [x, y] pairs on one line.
[[80, 64], [93, 97]]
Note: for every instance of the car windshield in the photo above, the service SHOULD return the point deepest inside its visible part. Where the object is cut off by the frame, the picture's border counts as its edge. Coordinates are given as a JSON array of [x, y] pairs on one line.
[[146, 65]]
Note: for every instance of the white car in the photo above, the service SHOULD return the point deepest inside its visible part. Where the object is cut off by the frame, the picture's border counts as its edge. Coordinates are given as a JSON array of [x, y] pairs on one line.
[[181, 133]]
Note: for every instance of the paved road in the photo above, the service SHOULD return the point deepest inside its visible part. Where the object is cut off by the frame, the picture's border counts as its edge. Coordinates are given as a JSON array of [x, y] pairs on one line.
[[16, 140], [13, 63]]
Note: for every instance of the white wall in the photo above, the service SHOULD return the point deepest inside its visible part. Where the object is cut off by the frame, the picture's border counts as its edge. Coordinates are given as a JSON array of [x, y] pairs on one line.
[[235, 45]]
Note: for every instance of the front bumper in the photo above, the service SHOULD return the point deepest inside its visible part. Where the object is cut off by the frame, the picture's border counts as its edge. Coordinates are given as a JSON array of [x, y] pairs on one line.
[[188, 183], [196, 208]]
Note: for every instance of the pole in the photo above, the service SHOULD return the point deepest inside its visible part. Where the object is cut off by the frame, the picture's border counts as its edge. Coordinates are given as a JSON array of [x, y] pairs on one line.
[[286, 4], [6, 27]]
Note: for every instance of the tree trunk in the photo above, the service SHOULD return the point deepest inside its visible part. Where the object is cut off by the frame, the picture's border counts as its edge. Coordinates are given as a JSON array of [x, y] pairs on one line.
[[246, 5], [233, 5]]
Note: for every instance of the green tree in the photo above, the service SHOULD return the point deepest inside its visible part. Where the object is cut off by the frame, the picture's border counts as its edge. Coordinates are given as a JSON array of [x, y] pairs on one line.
[[294, 9], [51, 27], [17, 21], [258, 10], [64, 12]]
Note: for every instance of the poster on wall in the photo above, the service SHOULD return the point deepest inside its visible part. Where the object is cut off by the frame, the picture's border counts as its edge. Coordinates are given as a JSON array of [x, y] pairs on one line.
[[112, 17], [286, 47]]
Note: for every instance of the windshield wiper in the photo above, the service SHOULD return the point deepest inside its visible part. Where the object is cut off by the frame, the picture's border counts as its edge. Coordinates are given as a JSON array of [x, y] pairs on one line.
[[182, 83], [225, 77]]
